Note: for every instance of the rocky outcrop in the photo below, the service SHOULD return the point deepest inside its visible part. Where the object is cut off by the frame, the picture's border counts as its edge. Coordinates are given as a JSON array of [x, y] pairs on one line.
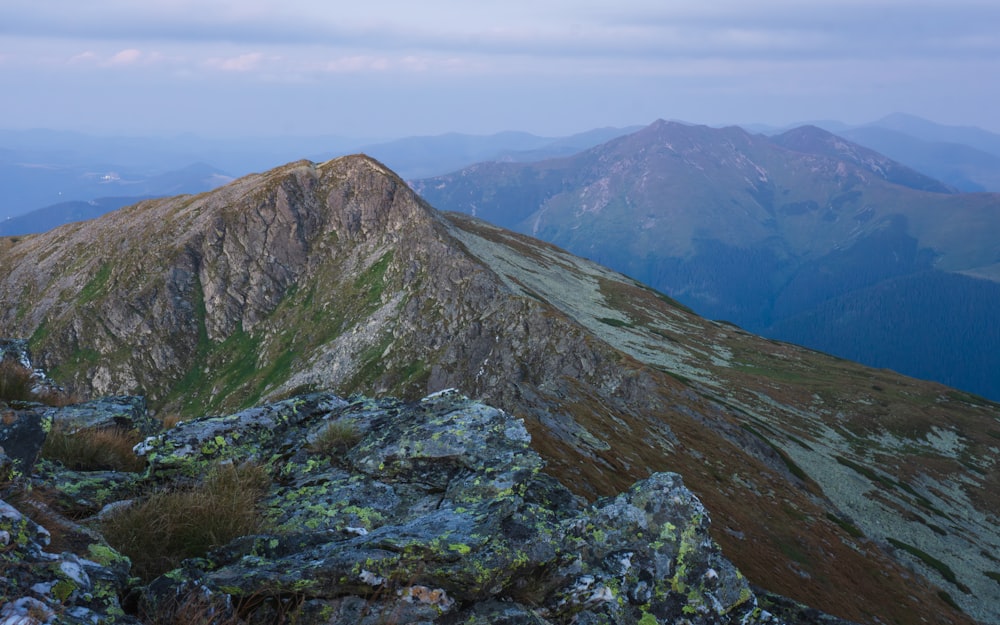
[[434, 511]]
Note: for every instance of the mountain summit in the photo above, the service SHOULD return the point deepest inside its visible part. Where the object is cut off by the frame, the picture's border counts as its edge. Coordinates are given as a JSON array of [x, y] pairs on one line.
[[859, 492], [804, 237]]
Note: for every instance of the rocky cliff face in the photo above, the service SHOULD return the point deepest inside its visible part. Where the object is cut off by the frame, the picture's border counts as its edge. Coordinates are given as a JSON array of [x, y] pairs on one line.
[[859, 492]]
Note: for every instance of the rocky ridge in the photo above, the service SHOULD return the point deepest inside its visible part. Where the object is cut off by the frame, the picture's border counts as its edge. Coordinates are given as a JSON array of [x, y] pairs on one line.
[[860, 492], [435, 511]]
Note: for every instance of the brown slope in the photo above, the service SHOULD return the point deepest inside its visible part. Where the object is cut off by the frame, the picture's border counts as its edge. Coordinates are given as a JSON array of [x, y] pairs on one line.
[[337, 276]]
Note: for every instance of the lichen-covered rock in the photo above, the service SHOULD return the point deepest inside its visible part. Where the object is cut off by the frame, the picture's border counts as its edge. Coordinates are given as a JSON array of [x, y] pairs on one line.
[[383, 511], [22, 434], [253, 434], [44, 588], [437, 512], [127, 412]]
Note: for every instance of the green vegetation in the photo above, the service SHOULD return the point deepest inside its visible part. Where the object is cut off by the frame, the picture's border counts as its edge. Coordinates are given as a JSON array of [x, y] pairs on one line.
[[371, 365], [172, 525], [371, 283], [947, 599], [868, 473], [615, 323], [892, 484], [81, 358], [932, 562], [793, 468], [994, 575], [663, 297], [91, 290], [781, 375], [847, 526]]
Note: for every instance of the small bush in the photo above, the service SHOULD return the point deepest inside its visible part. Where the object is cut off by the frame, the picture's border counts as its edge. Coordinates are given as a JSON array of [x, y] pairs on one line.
[[169, 526], [57, 397], [15, 382], [170, 421], [93, 449], [336, 438]]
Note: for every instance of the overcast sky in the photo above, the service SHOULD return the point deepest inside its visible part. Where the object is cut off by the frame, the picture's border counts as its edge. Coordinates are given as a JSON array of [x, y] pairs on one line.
[[389, 68]]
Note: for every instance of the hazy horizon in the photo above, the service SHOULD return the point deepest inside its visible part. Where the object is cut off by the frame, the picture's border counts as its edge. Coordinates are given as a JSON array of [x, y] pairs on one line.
[[388, 69]]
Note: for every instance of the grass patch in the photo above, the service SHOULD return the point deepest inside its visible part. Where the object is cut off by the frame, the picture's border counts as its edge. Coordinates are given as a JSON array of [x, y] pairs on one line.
[[793, 468], [943, 569], [15, 382], [779, 375], [90, 291], [847, 526], [371, 283], [336, 438], [970, 398], [995, 576], [686, 381], [943, 596], [371, 368], [663, 297], [105, 449], [615, 323], [868, 473], [172, 525]]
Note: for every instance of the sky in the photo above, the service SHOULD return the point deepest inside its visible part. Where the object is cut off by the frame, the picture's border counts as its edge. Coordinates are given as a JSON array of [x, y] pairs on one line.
[[392, 68]]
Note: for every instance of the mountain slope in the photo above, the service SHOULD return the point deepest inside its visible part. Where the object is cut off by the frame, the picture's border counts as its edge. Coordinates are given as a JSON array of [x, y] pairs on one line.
[[741, 227], [827, 481]]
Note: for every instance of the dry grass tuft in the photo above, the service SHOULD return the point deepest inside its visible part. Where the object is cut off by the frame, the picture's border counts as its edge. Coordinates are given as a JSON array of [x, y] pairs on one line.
[[15, 382], [93, 449], [170, 421], [160, 532], [336, 438], [17, 385], [192, 609]]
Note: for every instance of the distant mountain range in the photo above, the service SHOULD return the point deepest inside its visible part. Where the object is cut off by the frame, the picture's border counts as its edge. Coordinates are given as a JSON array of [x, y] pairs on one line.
[[49, 178], [798, 236], [963, 157], [856, 491], [41, 168]]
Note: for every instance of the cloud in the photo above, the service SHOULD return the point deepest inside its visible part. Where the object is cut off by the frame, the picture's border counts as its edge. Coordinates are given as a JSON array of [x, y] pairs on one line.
[[356, 64], [88, 56], [242, 63], [545, 30], [125, 57]]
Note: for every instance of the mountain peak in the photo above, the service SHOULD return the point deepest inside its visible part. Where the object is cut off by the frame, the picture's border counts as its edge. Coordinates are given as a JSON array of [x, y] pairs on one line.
[[814, 140]]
